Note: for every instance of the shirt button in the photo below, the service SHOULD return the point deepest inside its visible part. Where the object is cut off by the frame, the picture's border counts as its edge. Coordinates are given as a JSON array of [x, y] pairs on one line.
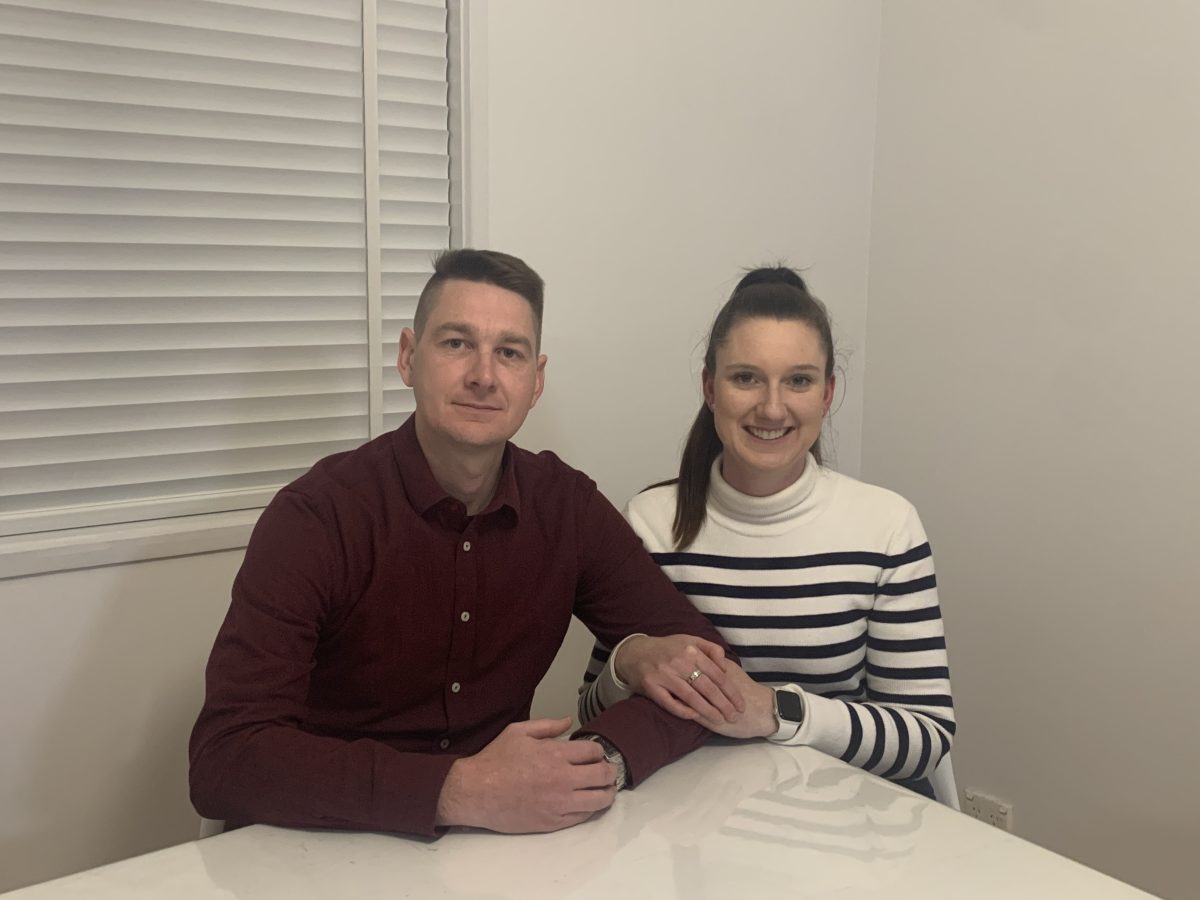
[[466, 617], [466, 546], [455, 688], [444, 743]]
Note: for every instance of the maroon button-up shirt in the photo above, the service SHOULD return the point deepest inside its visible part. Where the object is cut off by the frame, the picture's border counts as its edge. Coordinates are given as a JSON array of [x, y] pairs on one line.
[[377, 633]]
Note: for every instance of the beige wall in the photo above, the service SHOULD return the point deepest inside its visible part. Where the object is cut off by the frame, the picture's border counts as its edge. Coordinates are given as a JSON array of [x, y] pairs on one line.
[[1032, 388], [100, 680], [639, 155]]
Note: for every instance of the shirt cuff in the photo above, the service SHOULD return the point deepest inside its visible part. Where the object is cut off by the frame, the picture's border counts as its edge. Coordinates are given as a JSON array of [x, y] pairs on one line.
[[610, 689]]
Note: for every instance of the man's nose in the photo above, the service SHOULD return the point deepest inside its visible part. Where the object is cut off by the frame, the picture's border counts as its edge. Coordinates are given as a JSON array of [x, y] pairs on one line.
[[482, 373]]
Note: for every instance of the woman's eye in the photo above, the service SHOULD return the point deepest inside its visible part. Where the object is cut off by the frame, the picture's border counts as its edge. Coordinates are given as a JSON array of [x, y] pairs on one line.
[[801, 381], [742, 378]]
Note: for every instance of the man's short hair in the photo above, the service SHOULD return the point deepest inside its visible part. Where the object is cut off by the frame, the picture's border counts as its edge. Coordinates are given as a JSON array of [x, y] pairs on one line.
[[486, 267]]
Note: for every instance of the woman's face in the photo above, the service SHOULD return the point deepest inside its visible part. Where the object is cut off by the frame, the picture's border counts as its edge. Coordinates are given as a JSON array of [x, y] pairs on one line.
[[769, 395]]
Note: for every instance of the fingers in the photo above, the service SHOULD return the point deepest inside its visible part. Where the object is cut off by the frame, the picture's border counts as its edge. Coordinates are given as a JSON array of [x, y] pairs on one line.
[[709, 649], [542, 728], [719, 690], [697, 702], [587, 802], [595, 775], [582, 752]]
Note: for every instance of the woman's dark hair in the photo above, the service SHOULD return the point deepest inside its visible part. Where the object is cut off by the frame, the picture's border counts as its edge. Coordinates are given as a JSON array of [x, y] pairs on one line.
[[775, 292]]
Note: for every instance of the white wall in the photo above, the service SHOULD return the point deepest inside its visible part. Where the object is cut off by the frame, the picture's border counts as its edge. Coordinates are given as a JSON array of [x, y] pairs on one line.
[[101, 677], [1032, 388], [639, 155]]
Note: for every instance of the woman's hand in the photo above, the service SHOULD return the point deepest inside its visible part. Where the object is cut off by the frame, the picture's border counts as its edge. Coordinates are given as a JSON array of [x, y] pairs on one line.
[[664, 669], [758, 717]]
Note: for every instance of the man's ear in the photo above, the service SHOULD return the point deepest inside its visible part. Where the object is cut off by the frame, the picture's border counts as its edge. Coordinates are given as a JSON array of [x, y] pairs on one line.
[[404, 360], [540, 383]]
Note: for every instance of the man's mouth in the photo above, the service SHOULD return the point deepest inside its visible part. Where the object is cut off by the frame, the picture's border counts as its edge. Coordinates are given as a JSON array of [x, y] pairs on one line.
[[479, 407]]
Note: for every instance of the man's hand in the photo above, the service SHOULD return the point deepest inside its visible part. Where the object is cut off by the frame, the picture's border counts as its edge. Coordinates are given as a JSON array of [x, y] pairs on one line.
[[526, 781], [758, 719], [662, 669]]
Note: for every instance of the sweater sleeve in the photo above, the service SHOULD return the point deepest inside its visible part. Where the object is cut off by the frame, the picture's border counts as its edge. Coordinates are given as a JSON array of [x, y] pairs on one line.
[[622, 591], [906, 723], [251, 759]]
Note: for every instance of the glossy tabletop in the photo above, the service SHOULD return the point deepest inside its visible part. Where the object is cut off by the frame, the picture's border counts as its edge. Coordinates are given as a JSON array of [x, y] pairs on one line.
[[753, 820]]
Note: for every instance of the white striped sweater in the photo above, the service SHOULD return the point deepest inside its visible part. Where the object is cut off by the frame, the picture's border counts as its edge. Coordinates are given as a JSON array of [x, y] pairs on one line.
[[827, 586]]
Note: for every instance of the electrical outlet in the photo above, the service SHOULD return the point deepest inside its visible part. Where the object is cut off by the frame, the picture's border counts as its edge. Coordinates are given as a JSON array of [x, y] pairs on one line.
[[988, 809]]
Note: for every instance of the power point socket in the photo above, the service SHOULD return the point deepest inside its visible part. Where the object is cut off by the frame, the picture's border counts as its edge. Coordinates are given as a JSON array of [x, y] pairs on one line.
[[988, 809]]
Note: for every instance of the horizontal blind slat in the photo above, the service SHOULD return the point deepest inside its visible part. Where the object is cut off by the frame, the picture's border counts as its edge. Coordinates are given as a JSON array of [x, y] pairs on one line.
[[59, 397]]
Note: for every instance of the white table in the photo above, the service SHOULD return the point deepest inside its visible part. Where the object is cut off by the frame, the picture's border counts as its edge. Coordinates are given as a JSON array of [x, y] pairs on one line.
[[726, 822]]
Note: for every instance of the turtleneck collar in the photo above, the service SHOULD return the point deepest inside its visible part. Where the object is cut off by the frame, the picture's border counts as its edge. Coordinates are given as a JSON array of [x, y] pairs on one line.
[[796, 500]]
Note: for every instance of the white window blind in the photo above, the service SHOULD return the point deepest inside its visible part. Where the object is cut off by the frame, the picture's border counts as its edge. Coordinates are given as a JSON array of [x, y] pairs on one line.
[[207, 250]]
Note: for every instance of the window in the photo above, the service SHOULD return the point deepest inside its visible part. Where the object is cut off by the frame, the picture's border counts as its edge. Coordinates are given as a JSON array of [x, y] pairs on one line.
[[215, 217]]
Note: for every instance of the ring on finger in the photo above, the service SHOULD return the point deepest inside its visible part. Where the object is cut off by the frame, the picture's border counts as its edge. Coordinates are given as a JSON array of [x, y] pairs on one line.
[[696, 673]]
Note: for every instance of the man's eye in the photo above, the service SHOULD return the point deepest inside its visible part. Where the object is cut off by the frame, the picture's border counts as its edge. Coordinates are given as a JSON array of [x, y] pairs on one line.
[[510, 353], [455, 343]]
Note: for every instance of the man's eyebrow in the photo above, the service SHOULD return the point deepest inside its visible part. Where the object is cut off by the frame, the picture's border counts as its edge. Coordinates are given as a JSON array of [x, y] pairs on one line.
[[515, 337], [460, 327]]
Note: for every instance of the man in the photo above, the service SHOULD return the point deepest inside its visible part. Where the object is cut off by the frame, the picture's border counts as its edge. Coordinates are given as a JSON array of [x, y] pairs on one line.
[[399, 603]]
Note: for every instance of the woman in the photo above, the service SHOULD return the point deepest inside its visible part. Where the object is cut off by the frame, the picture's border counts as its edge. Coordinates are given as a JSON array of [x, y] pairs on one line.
[[821, 584]]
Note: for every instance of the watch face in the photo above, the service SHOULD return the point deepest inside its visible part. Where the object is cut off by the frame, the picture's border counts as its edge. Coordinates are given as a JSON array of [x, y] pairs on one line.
[[790, 706]]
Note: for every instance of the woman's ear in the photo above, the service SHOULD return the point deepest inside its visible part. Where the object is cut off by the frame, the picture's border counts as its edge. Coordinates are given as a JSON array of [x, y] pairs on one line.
[[706, 385]]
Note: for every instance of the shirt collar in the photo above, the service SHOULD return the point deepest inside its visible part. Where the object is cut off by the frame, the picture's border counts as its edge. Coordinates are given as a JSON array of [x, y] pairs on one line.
[[423, 490]]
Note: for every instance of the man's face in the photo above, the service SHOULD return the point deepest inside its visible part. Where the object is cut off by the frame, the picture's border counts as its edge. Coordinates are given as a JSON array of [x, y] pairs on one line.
[[474, 370]]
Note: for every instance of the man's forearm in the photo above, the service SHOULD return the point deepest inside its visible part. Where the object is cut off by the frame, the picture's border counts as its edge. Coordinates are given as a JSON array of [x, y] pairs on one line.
[[647, 736], [279, 775]]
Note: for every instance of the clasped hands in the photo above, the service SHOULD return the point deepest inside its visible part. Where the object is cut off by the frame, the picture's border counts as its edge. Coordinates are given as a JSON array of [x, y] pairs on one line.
[[722, 697], [528, 780]]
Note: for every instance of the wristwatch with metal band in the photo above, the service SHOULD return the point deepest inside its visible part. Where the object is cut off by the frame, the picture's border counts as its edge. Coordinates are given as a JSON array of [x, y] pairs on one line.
[[613, 756]]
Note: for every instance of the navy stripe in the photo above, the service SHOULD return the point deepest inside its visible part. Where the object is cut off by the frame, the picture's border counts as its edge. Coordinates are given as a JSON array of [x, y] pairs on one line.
[[600, 653], [588, 677], [902, 743], [912, 699], [909, 646], [900, 616], [856, 734], [880, 739], [820, 651], [807, 677], [914, 673], [926, 747], [822, 620], [900, 588], [947, 724], [811, 561], [778, 591], [945, 743]]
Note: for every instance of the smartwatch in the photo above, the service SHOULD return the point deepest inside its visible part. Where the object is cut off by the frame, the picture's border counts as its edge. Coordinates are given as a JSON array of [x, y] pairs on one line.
[[789, 714]]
